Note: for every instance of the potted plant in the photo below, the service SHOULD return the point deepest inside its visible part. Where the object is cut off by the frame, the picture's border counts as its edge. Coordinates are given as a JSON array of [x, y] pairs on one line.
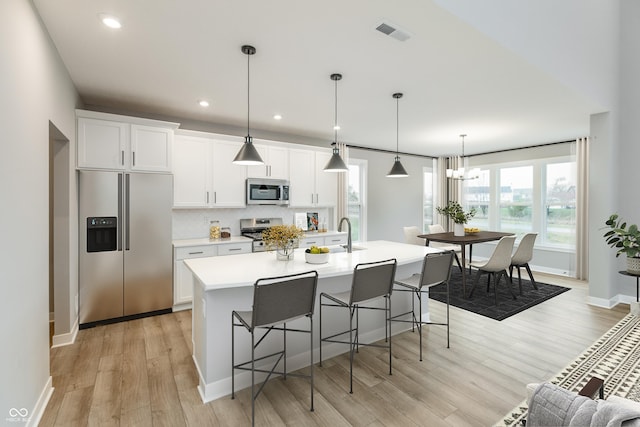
[[454, 211], [626, 240], [283, 238]]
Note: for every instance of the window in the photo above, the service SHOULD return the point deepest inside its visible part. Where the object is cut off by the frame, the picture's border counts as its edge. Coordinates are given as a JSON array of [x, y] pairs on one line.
[[516, 199], [427, 198], [560, 204], [356, 199], [478, 194], [537, 195]]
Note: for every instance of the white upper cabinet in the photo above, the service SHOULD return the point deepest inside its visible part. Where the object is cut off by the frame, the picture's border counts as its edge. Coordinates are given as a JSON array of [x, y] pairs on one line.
[[151, 148], [102, 144], [191, 163], [276, 163], [204, 175], [228, 186], [309, 184], [108, 141], [326, 182]]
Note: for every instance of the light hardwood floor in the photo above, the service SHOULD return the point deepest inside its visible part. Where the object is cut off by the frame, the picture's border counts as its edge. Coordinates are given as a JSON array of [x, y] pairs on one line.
[[140, 373]]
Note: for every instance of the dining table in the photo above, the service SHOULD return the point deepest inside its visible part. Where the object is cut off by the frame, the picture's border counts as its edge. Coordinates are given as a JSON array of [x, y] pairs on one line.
[[469, 238]]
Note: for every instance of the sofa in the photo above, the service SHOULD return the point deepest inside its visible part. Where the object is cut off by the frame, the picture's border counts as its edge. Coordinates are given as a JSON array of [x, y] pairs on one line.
[[551, 405]]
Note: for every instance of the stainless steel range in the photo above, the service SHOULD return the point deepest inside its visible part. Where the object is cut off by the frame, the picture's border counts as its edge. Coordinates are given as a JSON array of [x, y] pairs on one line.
[[253, 228]]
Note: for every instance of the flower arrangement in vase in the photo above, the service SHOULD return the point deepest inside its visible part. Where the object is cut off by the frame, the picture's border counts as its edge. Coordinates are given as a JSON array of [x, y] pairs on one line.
[[283, 238], [626, 240], [457, 214]]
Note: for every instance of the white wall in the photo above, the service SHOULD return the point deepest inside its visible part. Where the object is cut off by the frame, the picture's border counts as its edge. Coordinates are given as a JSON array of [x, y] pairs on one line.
[[36, 89], [392, 203], [628, 156]]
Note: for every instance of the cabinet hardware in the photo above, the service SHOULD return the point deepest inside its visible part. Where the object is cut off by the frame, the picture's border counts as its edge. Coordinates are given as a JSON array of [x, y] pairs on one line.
[[122, 158], [196, 253], [235, 249], [134, 157], [207, 197]]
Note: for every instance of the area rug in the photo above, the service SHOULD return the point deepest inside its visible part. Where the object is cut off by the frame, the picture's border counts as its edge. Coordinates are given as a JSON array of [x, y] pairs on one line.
[[614, 357], [483, 302]]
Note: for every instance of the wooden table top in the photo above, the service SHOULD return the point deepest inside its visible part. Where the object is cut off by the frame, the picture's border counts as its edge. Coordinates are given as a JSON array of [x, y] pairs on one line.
[[468, 238]]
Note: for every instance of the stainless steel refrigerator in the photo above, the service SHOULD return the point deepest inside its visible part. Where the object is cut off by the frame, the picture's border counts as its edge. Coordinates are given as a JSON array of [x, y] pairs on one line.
[[125, 253]]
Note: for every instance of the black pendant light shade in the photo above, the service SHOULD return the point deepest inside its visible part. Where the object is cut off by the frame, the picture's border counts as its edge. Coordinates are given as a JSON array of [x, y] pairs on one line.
[[397, 170], [336, 164], [248, 155]]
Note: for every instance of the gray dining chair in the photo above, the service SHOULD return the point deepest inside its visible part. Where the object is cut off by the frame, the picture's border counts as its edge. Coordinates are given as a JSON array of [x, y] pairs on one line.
[[436, 270], [276, 301], [521, 258], [370, 281], [496, 266]]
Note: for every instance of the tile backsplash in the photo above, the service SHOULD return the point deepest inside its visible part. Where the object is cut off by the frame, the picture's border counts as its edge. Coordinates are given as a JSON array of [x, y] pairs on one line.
[[194, 223]]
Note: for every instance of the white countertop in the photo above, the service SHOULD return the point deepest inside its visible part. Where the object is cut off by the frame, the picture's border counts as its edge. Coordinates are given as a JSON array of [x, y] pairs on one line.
[[244, 269]]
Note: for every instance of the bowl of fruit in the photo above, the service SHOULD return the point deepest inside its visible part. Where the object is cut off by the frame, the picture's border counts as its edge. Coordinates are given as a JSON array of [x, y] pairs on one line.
[[316, 255], [471, 230]]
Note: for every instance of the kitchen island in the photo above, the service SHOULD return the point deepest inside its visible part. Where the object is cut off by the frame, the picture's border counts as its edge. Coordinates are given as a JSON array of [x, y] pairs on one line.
[[224, 284]]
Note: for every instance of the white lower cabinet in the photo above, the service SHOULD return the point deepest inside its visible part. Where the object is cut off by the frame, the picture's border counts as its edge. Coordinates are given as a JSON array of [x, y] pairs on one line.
[[182, 276], [323, 240]]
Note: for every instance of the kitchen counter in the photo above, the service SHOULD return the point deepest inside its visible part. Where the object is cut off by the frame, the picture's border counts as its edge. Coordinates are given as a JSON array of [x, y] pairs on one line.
[[223, 284]]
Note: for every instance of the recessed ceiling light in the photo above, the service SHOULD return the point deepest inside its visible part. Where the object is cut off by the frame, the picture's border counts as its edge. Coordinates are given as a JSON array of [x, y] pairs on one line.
[[277, 117], [336, 127], [110, 21], [203, 103]]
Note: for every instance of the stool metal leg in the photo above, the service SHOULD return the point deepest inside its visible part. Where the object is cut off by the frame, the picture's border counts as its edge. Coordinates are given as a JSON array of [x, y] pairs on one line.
[[311, 353], [284, 343], [419, 295], [320, 331], [388, 321], [253, 377], [351, 346], [232, 359]]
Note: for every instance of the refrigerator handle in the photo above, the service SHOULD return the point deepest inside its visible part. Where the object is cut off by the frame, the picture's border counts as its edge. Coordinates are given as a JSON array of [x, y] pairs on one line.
[[120, 224], [127, 211]]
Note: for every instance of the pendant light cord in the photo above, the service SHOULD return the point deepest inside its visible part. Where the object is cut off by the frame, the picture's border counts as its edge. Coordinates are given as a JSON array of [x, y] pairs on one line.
[[335, 118], [248, 88], [397, 123]]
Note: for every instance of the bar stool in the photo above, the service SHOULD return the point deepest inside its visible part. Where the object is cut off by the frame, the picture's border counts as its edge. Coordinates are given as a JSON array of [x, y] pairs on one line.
[[370, 281], [276, 300], [436, 270]]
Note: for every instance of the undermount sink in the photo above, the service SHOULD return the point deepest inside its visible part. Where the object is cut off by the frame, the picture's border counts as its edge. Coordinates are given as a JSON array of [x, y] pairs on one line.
[[337, 249]]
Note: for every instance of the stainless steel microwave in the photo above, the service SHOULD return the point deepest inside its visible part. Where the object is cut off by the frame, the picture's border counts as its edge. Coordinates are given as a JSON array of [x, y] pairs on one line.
[[267, 191]]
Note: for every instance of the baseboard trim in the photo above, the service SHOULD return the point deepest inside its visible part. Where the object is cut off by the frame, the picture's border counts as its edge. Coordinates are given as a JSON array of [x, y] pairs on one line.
[[66, 339], [41, 404], [611, 302]]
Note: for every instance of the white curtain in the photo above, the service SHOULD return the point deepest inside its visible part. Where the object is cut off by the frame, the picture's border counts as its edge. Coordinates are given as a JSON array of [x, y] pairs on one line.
[[448, 189], [582, 209], [342, 208]]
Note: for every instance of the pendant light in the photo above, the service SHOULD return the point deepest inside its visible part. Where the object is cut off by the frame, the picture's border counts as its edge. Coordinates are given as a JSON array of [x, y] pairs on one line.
[[248, 155], [458, 174], [336, 164], [397, 170]]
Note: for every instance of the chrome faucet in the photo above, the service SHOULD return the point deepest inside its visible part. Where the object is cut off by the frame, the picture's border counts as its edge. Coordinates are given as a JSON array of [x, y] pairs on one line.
[[349, 229]]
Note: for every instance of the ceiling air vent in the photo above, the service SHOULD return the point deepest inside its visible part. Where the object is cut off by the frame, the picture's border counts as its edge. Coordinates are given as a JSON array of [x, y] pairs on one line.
[[392, 30]]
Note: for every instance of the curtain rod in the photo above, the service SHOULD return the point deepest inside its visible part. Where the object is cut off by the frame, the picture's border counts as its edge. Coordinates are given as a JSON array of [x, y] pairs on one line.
[[468, 155], [521, 148], [381, 150]]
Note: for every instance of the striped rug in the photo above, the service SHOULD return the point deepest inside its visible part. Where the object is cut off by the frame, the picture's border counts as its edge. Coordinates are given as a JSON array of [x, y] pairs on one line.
[[615, 357]]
